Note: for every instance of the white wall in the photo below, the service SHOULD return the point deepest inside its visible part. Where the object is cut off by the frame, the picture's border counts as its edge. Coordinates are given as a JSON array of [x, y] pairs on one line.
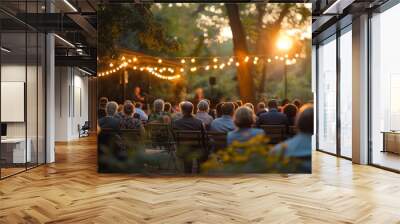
[[71, 103]]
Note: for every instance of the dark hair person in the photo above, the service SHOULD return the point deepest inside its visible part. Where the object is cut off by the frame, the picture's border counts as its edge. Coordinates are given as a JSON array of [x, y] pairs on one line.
[[239, 103], [189, 123], [102, 107], [128, 121], [273, 116], [244, 119], [225, 122], [218, 109], [168, 108], [299, 146], [298, 103], [291, 111]]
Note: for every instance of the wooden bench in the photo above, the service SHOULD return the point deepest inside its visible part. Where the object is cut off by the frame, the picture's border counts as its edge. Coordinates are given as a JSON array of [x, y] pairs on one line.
[[276, 133]]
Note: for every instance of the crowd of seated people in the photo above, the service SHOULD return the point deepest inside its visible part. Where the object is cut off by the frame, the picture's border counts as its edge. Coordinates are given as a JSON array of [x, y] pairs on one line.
[[226, 117], [240, 121]]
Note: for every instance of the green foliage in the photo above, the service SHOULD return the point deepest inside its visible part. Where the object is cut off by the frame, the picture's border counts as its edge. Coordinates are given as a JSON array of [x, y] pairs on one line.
[[253, 156], [183, 29], [131, 26]]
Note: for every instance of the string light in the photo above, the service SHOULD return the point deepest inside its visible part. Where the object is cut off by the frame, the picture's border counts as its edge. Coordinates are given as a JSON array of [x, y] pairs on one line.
[[223, 63]]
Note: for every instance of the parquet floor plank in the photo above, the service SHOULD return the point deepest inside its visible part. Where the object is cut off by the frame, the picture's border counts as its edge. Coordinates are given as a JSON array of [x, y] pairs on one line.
[[71, 191]]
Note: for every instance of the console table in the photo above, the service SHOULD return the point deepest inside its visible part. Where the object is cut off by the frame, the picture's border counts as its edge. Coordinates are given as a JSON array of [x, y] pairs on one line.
[[391, 141], [13, 150]]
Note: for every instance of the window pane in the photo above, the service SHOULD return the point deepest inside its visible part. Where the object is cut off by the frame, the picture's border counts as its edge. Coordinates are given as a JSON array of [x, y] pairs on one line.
[[346, 94], [327, 97], [385, 85]]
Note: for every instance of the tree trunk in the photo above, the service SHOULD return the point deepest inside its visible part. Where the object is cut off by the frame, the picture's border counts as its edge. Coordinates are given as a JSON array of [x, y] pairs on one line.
[[245, 81]]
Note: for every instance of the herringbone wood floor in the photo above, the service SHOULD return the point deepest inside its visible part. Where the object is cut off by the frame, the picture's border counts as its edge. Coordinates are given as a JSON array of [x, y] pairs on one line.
[[71, 191]]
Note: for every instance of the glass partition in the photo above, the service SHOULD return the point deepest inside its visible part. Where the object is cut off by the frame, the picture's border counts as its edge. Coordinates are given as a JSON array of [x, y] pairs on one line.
[[385, 89], [14, 153], [346, 93], [22, 91], [327, 96]]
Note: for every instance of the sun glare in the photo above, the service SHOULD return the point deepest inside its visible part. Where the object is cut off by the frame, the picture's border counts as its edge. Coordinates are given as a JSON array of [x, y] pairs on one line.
[[284, 43]]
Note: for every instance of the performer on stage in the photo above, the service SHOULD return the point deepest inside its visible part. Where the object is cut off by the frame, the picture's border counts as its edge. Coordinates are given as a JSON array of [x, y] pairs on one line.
[[137, 97]]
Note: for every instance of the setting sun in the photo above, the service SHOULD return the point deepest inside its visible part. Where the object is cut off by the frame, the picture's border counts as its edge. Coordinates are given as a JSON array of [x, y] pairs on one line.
[[284, 43]]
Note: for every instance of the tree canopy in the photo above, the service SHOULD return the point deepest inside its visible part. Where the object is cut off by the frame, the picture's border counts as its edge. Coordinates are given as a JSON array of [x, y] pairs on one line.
[[206, 30]]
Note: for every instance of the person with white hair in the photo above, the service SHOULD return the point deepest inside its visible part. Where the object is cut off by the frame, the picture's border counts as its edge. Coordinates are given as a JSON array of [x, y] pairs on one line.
[[158, 114], [110, 120], [202, 113], [244, 119]]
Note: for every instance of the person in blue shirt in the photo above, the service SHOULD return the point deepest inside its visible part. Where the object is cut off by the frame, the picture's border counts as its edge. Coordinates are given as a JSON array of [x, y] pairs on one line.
[[299, 146], [244, 118], [140, 111], [225, 122]]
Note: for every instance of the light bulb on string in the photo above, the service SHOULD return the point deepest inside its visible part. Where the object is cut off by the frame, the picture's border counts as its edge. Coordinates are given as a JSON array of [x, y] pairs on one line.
[[123, 58], [193, 69], [207, 68], [193, 60], [111, 65], [246, 59], [135, 59], [237, 64], [215, 60], [215, 66], [222, 66], [129, 60], [159, 61], [269, 60], [182, 69], [231, 59], [183, 61]]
